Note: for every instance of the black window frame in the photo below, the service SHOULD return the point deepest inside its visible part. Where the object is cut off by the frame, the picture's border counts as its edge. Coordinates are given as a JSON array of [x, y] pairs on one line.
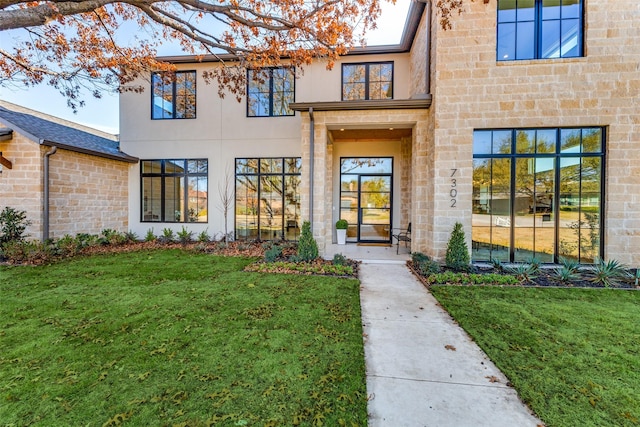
[[367, 83], [272, 92], [174, 95], [259, 173], [557, 155], [538, 22], [162, 175]]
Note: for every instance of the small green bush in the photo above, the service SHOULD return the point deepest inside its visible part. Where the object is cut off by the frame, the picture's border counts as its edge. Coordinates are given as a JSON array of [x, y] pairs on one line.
[[342, 224], [273, 253], [167, 236], [423, 264], [204, 237], [185, 236], [150, 237], [307, 245], [13, 224], [457, 257], [339, 259]]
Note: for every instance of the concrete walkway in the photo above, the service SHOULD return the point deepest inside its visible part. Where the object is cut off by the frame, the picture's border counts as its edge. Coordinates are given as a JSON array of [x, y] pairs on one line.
[[422, 369]]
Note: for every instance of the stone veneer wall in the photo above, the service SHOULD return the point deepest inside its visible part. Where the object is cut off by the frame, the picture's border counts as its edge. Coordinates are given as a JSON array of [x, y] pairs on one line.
[[21, 186], [471, 90], [87, 194]]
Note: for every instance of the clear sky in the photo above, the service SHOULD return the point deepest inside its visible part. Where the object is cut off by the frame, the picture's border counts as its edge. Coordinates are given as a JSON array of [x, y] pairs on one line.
[[103, 113]]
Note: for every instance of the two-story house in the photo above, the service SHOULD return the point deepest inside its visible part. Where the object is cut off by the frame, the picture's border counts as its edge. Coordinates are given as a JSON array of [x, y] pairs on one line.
[[522, 122]]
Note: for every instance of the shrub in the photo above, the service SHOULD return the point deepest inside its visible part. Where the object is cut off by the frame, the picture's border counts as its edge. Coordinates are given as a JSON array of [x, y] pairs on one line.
[[167, 236], [423, 264], [204, 237], [112, 237], [13, 224], [67, 246], [342, 224], [185, 236], [149, 237], [131, 236], [457, 257], [17, 252], [339, 259], [307, 245], [273, 253]]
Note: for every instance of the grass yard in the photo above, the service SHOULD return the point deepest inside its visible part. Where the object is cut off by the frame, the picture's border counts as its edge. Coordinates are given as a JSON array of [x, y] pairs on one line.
[[572, 354], [174, 338]]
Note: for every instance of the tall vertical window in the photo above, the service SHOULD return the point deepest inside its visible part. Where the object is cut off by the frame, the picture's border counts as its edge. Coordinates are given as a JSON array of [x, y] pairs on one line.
[[538, 193], [535, 29], [270, 91], [367, 81], [268, 198], [173, 95], [174, 190]]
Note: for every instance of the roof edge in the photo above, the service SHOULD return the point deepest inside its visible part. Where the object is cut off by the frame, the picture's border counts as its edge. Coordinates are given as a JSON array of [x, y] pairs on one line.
[[123, 158], [414, 15]]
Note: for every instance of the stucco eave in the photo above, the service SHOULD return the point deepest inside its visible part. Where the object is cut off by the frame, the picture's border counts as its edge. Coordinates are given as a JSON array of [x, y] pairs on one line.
[[383, 104]]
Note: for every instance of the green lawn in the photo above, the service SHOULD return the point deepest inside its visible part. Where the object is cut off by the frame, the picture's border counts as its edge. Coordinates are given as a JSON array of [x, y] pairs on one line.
[[173, 338], [572, 354]]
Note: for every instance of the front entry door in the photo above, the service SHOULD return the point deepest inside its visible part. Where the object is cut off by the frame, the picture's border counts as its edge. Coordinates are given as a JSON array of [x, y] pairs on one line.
[[374, 210], [366, 198]]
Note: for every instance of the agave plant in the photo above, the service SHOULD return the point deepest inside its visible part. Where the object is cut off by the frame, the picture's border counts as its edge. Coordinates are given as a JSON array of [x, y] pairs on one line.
[[608, 273], [569, 272], [525, 273]]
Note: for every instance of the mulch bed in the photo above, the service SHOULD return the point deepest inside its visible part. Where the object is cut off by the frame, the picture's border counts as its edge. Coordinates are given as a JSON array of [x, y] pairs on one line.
[[545, 279]]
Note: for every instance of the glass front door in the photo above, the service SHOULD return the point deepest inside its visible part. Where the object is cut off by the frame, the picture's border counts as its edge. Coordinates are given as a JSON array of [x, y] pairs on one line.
[[366, 198]]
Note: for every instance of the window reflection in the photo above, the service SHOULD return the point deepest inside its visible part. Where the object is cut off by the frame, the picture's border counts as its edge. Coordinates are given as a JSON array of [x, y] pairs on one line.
[[530, 29], [267, 198], [547, 196]]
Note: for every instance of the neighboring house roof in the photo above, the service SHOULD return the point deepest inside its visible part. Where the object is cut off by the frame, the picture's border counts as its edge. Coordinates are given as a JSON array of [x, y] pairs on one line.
[[52, 131]]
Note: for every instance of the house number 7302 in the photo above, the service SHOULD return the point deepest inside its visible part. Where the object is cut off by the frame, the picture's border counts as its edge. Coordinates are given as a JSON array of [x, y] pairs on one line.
[[453, 191]]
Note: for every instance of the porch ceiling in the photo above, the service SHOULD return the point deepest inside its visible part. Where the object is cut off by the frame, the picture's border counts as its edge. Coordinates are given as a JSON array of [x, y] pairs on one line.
[[389, 134]]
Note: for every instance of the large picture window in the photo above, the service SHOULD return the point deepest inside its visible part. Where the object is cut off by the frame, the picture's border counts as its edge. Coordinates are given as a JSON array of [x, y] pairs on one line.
[[367, 81], [270, 91], [268, 198], [538, 193], [174, 190], [173, 95], [535, 29]]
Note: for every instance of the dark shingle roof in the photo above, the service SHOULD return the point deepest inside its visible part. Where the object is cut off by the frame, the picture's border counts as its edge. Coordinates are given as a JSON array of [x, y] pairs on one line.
[[49, 132]]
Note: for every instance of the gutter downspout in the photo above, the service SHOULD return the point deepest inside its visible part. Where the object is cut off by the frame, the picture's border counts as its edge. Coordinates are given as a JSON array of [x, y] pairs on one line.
[[311, 162], [45, 202], [428, 48]]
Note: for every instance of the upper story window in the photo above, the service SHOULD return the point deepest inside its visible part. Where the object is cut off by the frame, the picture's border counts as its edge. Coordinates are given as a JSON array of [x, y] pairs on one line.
[[372, 80], [173, 95], [536, 29], [270, 91]]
